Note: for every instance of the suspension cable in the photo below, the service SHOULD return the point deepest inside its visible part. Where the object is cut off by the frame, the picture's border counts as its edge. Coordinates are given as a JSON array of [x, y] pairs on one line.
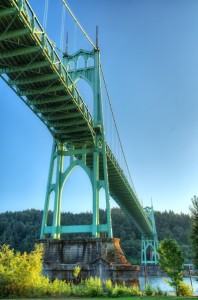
[[79, 25], [111, 108], [62, 29], [45, 15]]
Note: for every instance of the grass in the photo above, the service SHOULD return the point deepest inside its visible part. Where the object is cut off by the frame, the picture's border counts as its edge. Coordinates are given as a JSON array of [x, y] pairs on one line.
[[119, 298], [134, 298]]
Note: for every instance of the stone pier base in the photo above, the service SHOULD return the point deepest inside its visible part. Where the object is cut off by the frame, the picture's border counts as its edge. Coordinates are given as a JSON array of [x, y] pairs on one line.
[[101, 257]]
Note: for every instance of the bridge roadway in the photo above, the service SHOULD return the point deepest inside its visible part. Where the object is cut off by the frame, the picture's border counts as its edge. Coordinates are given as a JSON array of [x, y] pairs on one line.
[[32, 68]]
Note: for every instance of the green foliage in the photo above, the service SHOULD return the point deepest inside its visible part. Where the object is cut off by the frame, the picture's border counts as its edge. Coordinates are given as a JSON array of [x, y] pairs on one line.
[[108, 286], [119, 290], [76, 271], [194, 229], [175, 226], [77, 290], [148, 290], [21, 229], [184, 289], [171, 261], [122, 290], [93, 287], [158, 292], [20, 275], [135, 291]]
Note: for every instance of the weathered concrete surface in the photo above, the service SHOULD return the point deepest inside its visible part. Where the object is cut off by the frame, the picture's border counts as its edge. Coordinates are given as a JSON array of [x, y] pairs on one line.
[[151, 270], [100, 257]]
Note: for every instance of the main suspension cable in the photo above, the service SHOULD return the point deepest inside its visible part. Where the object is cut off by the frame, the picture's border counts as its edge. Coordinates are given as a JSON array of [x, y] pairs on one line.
[[111, 108]]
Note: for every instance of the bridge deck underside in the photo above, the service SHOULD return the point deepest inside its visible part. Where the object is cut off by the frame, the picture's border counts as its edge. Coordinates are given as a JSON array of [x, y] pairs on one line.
[[32, 68]]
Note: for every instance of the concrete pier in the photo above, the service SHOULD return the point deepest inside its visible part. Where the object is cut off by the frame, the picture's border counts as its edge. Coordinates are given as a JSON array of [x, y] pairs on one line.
[[101, 257]]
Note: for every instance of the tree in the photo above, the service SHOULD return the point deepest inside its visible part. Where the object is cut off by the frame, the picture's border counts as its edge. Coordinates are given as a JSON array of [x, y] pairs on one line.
[[21, 229], [171, 261], [194, 228], [19, 273]]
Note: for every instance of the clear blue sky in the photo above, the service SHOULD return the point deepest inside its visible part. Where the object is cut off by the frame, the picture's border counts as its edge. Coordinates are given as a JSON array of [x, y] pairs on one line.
[[149, 52]]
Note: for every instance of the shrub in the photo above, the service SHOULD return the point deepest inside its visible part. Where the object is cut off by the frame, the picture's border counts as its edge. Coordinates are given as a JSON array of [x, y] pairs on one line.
[[59, 287], [119, 290], [122, 290], [158, 292], [76, 273], [78, 290], [184, 289], [108, 286], [148, 290], [134, 291], [20, 275], [93, 287]]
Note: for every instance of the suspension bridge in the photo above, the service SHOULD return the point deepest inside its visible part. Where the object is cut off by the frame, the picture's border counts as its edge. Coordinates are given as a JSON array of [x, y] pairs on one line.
[[46, 83]]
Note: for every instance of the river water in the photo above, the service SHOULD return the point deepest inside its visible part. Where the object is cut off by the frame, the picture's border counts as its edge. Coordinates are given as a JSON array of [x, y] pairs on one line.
[[158, 282]]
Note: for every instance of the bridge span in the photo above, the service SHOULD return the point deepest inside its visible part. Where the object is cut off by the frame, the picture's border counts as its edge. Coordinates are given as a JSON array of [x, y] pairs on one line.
[[31, 67]]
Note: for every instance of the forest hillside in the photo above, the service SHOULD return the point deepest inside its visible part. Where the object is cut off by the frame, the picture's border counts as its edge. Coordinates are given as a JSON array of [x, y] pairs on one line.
[[21, 229]]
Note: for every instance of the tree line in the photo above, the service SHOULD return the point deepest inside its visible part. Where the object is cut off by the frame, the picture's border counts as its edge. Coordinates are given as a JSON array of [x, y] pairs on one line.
[[21, 230]]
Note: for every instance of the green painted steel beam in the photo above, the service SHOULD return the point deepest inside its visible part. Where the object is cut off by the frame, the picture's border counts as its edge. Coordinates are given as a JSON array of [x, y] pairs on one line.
[[75, 228], [14, 33], [102, 227], [49, 100], [47, 89], [69, 130], [61, 124], [69, 229], [26, 67], [35, 79], [63, 116], [19, 52], [77, 140], [65, 107], [76, 152], [8, 12]]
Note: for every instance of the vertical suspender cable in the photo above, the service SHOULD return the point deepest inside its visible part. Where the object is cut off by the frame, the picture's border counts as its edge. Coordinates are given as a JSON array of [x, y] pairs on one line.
[[75, 37], [45, 15], [62, 30], [78, 24]]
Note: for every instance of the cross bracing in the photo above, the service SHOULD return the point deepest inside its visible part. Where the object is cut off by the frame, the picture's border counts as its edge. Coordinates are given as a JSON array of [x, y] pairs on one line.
[[32, 68]]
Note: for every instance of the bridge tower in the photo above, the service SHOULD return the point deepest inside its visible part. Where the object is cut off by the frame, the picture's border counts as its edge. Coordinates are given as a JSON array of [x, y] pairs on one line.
[[82, 155], [149, 245]]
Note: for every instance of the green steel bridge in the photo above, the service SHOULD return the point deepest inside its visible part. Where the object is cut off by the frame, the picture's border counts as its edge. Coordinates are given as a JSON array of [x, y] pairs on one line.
[[31, 67]]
